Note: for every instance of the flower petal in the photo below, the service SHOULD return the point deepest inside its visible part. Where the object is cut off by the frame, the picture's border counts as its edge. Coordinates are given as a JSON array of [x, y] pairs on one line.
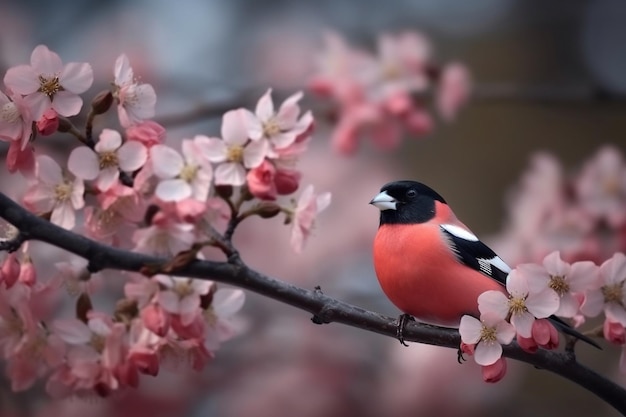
[[470, 329], [131, 156], [173, 190], [494, 301], [76, 77], [234, 130], [227, 302], [67, 103], [84, 163], [487, 353], [265, 106], [230, 173]]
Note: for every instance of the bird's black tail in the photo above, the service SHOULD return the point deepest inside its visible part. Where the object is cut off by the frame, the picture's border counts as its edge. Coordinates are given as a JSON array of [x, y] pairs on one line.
[[567, 329]]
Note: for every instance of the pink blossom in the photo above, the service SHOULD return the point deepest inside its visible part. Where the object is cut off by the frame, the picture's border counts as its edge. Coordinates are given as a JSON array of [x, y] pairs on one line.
[[614, 332], [17, 324], [453, 90], [609, 293], [182, 296], [54, 193], [602, 186], [234, 153], [225, 304], [543, 334], [148, 132], [10, 270], [109, 157], [488, 334], [568, 281], [182, 176], [41, 353], [77, 279], [136, 101], [48, 123], [280, 128], [165, 237], [530, 298], [308, 207], [494, 372], [261, 181], [15, 120], [22, 160], [155, 319], [48, 84]]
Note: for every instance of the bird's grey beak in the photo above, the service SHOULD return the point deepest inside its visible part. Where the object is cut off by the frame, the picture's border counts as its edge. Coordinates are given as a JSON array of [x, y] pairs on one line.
[[384, 201]]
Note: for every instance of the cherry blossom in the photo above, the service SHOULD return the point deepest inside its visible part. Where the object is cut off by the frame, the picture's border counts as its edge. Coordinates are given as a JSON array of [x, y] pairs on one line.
[[165, 237], [488, 334], [308, 207], [569, 281], [22, 160], [182, 176], [281, 128], [225, 304], [15, 119], [601, 186], [235, 152], [453, 91], [609, 295], [76, 278], [109, 157], [52, 192], [48, 84], [182, 296], [530, 298], [136, 101]]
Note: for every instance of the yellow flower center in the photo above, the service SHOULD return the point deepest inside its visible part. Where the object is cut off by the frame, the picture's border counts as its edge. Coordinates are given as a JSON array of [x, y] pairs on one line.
[[63, 192], [182, 288], [271, 128], [613, 293], [235, 154], [517, 305], [97, 342], [558, 284], [49, 86], [188, 173], [108, 159], [488, 334]]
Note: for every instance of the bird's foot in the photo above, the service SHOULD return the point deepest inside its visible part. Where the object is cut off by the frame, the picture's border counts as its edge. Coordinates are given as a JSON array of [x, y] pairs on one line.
[[402, 320], [459, 356]]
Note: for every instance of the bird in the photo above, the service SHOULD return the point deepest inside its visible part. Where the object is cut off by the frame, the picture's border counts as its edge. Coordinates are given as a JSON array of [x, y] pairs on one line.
[[432, 266]]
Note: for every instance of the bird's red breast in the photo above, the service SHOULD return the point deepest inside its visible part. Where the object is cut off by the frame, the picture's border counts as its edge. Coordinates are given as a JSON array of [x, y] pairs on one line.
[[420, 274]]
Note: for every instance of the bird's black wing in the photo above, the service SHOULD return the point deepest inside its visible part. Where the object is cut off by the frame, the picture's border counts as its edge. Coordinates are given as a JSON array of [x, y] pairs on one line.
[[472, 252]]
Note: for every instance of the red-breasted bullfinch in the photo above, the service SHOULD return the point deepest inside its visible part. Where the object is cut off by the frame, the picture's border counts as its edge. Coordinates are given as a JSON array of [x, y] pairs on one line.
[[429, 264]]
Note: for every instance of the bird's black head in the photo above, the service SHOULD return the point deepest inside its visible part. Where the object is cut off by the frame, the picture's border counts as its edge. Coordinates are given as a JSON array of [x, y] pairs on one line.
[[406, 202]]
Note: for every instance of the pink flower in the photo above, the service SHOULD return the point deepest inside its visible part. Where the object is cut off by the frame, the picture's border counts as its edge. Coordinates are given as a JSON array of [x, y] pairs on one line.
[[488, 334], [568, 281], [609, 294], [77, 279], [225, 304], [110, 156], [494, 372], [543, 334], [261, 181], [453, 90], [17, 324], [182, 296], [529, 298], [15, 120], [135, 101], [308, 207], [148, 132], [52, 192], [602, 186], [19, 159], [48, 84], [10, 270], [234, 153], [48, 123], [165, 237], [182, 176], [614, 332], [280, 128], [156, 319]]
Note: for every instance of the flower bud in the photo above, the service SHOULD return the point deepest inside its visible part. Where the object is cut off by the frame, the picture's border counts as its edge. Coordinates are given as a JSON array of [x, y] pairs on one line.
[[494, 372], [48, 123], [102, 102], [267, 209]]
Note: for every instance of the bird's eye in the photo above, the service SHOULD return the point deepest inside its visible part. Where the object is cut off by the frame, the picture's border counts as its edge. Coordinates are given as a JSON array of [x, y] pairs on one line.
[[411, 193]]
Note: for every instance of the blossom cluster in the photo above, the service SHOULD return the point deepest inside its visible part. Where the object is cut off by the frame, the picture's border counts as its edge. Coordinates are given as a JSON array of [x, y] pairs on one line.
[[538, 293], [125, 187], [383, 96], [581, 213]]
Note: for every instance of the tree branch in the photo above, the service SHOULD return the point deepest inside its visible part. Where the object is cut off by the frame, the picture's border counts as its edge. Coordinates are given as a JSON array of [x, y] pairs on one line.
[[324, 309]]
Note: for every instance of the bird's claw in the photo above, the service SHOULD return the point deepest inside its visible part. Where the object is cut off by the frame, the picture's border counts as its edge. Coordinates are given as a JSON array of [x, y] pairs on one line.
[[459, 356], [402, 320]]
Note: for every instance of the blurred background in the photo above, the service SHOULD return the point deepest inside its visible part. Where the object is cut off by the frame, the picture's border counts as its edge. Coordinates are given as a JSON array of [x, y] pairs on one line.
[[549, 76]]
